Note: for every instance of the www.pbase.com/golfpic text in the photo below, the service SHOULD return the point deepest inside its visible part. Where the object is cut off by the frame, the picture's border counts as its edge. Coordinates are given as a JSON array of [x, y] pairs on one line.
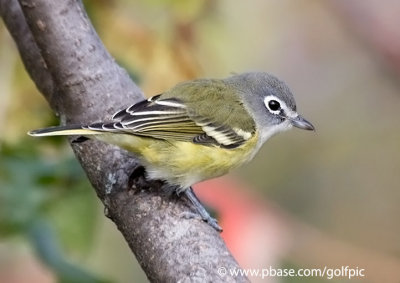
[[323, 272]]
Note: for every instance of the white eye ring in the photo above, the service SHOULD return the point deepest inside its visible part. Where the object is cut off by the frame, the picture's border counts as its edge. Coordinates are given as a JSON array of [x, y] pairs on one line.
[[273, 99]]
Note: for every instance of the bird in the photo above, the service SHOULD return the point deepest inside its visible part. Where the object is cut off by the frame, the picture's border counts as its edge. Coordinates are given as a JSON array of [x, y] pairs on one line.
[[197, 130]]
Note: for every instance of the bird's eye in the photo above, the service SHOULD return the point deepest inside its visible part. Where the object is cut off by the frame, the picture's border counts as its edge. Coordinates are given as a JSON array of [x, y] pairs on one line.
[[274, 105]]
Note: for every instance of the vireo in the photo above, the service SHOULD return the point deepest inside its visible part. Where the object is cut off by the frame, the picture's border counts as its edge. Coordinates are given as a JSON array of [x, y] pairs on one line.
[[199, 129]]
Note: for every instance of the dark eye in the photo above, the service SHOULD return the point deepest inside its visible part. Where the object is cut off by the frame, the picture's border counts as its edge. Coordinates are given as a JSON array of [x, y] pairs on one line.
[[274, 105]]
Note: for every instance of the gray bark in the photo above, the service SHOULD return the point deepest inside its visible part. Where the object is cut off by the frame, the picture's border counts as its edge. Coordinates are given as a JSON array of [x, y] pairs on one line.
[[82, 83]]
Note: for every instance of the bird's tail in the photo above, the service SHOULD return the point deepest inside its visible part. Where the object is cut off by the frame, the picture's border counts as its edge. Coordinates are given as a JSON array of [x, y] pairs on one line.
[[69, 130]]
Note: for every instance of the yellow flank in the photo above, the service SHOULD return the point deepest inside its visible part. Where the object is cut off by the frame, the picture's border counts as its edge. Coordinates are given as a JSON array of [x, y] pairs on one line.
[[183, 163]]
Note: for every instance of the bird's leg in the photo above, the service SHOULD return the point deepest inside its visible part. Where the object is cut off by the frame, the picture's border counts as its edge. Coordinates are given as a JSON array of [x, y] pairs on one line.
[[189, 193]]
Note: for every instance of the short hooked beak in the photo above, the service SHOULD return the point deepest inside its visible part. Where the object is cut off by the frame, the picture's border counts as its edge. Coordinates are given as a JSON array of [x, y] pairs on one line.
[[301, 123]]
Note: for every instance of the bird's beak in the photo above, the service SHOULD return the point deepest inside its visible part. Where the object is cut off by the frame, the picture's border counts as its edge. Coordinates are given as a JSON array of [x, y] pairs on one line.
[[301, 123]]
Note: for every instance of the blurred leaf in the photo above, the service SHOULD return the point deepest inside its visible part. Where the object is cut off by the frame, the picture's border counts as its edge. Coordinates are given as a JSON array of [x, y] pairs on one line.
[[74, 217], [38, 195], [32, 187], [44, 241], [20, 199]]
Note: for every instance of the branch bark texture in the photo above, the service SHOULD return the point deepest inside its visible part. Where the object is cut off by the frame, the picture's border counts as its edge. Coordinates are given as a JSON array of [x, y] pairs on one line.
[[82, 83]]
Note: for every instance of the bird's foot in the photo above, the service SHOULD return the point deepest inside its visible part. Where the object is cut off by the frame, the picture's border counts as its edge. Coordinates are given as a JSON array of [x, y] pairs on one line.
[[205, 216]]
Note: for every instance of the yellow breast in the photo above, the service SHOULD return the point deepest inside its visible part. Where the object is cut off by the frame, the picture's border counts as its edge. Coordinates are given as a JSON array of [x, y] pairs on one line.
[[184, 163]]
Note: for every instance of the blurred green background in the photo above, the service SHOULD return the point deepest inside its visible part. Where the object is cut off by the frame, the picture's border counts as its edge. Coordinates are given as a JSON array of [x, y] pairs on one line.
[[325, 199]]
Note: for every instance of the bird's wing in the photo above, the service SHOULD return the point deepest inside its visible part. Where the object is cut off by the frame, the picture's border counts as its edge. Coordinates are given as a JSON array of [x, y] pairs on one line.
[[169, 118]]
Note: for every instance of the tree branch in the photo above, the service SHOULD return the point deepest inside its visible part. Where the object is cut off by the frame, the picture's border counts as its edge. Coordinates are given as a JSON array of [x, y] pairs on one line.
[[70, 66], [29, 51]]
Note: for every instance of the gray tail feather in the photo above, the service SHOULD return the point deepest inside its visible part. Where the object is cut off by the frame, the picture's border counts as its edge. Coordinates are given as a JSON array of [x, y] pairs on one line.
[[62, 131]]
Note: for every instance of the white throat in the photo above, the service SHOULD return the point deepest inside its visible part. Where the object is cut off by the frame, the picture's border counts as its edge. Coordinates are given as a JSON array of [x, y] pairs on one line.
[[273, 130], [265, 134]]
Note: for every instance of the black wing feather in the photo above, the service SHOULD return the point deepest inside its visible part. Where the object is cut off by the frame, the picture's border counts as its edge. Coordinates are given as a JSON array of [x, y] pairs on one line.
[[169, 119]]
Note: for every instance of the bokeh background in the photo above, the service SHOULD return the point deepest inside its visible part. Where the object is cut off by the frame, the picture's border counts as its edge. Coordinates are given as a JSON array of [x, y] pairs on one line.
[[308, 200]]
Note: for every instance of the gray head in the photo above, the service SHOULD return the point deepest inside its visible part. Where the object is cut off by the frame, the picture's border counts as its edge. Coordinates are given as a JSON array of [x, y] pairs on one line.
[[270, 102]]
